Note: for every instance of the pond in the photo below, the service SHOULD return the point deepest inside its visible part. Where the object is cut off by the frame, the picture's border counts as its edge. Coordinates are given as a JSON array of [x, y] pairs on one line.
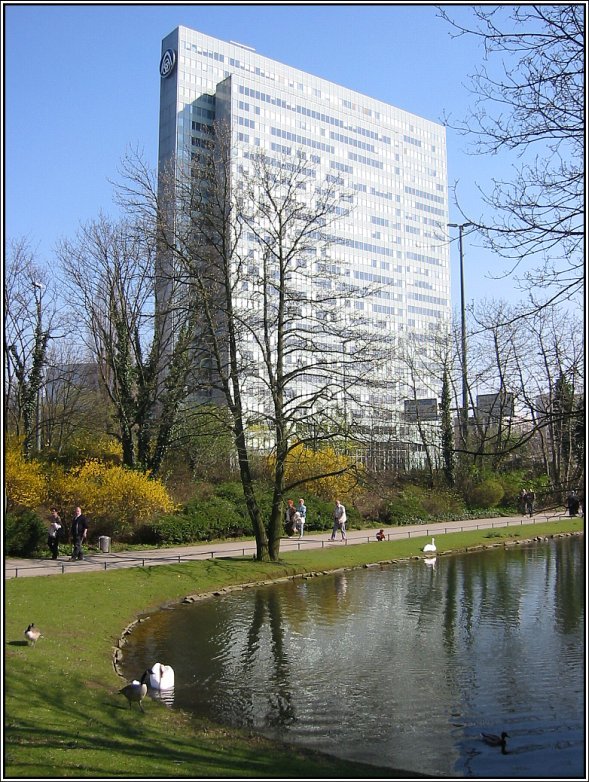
[[400, 665]]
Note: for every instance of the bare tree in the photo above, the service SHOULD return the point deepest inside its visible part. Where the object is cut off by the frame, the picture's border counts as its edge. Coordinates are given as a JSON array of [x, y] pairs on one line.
[[529, 100], [76, 409], [553, 391], [109, 273], [536, 362], [285, 355], [30, 320], [423, 359], [495, 350]]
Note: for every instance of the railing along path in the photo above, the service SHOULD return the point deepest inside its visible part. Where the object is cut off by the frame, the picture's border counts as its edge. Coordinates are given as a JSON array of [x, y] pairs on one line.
[[15, 568]]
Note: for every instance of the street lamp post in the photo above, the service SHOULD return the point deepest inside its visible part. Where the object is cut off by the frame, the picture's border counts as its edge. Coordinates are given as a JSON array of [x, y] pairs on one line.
[[464, 411], [38, 298]]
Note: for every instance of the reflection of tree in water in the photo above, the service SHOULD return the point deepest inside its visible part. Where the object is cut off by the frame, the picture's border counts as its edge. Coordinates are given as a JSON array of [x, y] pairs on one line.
[[429, 589], [450, 606], [570, 571], [488, 585], [276, 701]]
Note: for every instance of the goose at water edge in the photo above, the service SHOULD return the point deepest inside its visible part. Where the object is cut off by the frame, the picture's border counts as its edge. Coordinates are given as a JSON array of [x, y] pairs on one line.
[[161, 677], [136, 691], [32, 634], [493, 740], [430, 546]]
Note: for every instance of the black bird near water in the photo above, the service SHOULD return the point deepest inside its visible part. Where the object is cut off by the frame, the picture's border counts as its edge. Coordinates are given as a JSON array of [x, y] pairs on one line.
[[136, 691], [493, 740]]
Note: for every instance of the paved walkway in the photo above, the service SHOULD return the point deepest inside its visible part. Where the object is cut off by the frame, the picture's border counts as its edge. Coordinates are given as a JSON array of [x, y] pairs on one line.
[[17, 568]]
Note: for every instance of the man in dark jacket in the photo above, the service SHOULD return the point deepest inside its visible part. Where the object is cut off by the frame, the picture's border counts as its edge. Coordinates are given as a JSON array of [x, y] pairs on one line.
[[573, 503], [79, 533]]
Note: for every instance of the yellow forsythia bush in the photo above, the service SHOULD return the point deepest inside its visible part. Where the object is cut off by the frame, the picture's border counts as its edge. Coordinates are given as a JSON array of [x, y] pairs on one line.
[[93, 445], [24, 481], [114, 498], [302, 463]]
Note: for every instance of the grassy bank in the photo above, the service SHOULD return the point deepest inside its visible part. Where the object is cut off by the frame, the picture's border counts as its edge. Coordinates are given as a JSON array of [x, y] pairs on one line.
[[63, 716]]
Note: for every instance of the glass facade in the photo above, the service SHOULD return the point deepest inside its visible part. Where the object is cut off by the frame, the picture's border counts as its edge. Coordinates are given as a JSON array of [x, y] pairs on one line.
[[392, 162]]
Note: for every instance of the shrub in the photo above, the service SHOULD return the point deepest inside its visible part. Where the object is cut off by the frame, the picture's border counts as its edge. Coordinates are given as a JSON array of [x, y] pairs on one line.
[[407, 507], [224, 515], [512, 483], [116, 499], [233, 492], [302, 463], [371, 506], [24, 481], [487, 494], [24, 534], [442, 504], [204, 520]]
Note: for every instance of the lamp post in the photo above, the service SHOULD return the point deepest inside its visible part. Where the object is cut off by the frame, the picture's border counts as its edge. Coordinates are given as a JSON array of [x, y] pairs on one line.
[[38, 298], [464, 411], [344, 383]]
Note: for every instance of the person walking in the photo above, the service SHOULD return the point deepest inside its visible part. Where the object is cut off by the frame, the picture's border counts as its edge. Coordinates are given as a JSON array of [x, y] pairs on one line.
[[522, 501], [292, 520], [573, 503], [530, 501], [339, 520], [53, 533], [79, 533], [302, 511]]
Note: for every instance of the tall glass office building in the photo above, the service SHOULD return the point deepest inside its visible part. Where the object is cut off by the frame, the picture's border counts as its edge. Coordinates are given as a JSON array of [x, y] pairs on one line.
[[393, 162]]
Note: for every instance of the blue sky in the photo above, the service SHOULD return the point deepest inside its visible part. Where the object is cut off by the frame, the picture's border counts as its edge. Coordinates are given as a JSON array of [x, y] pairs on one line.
[[81, 86]]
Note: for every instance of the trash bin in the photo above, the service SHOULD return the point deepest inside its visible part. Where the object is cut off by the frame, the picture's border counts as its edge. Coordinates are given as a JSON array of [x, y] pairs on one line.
[[104, 544]]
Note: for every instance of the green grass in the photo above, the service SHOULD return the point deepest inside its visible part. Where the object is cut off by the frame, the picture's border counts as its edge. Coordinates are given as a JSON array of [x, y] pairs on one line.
[[64, 716]]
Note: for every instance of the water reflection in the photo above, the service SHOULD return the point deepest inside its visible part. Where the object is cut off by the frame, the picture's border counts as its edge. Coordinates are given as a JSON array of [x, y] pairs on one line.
[[268, 614], [165, 696], [401, 666]]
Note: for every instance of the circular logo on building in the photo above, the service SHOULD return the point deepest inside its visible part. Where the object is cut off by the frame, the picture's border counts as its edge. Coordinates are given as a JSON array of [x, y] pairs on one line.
[[167, 63]]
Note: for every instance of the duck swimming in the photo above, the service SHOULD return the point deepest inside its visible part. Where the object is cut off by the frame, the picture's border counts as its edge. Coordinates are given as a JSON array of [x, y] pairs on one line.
[[493, 740], [161, 677]]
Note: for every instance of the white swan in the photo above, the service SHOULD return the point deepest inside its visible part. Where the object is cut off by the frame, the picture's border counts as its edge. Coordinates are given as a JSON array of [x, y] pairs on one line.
[[430, 546], [161, 677]]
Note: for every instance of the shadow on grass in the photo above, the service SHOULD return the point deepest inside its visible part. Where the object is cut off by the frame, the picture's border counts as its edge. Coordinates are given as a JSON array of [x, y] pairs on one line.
[[70, 726], [109, 736]]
